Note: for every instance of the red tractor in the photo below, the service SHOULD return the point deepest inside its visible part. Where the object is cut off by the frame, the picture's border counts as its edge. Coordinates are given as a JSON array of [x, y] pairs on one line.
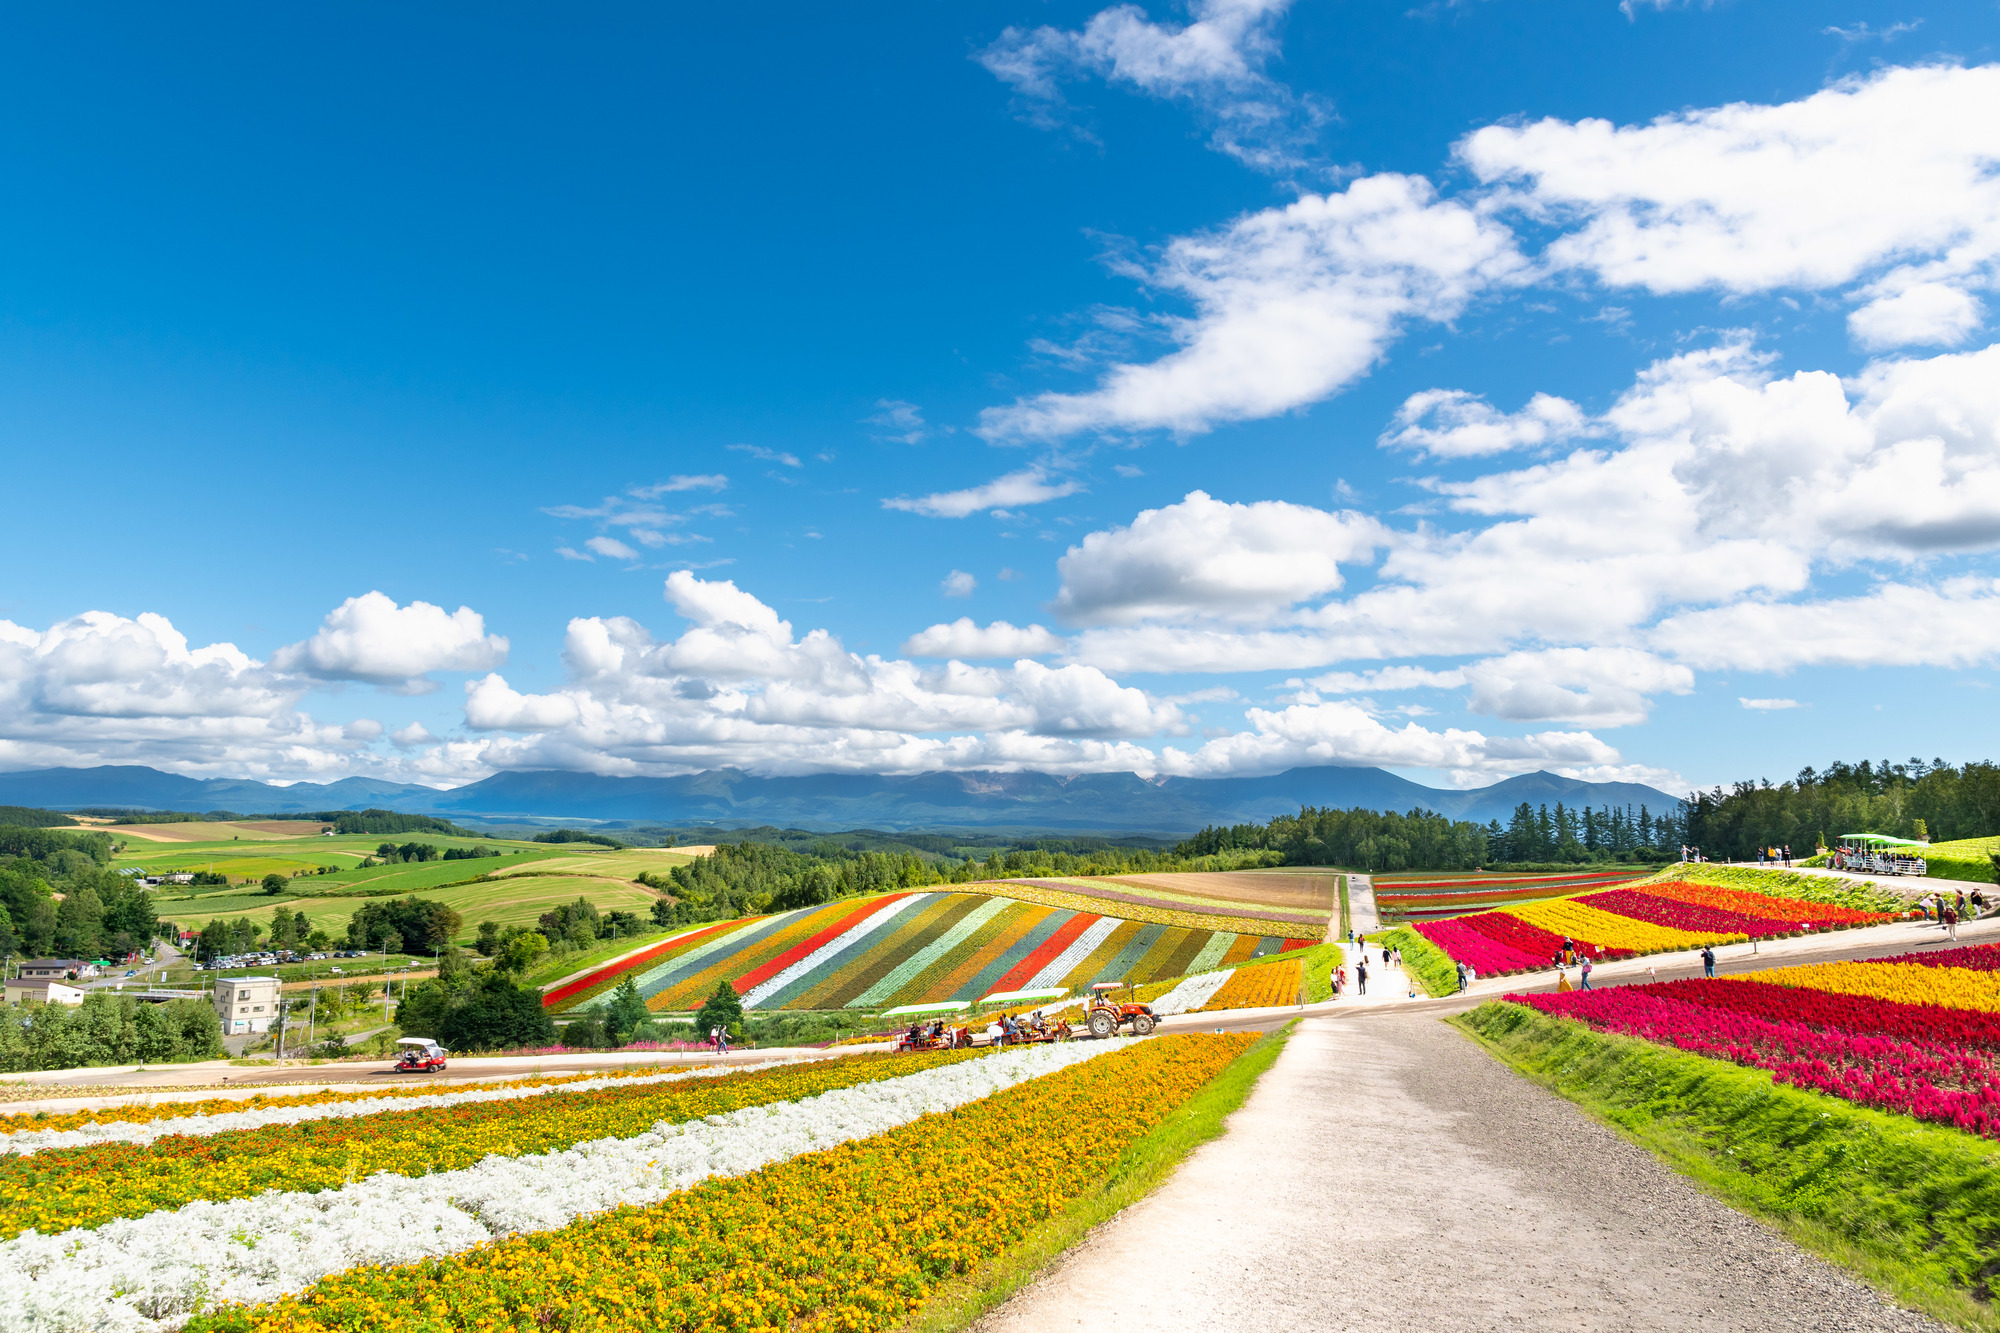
[[1106, 1013]]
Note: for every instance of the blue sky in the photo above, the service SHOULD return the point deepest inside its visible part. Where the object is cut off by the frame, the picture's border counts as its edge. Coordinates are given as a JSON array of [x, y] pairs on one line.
[[1466, 389]]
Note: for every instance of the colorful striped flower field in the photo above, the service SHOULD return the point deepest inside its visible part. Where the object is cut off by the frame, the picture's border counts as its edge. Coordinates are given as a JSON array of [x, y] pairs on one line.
[[1630, 919], [914, 948], [1917, 1034]]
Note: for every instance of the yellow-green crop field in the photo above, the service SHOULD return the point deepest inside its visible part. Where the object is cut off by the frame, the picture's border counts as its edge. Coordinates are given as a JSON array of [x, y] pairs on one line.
[[519, 885]]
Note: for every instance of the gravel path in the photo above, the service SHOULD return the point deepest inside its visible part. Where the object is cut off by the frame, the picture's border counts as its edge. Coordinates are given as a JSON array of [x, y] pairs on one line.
[[1387, 1175]]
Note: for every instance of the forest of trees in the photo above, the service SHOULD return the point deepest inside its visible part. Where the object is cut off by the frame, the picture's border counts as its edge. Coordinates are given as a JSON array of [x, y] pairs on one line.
[[100, 912], [1904, 800], [1421, 840]]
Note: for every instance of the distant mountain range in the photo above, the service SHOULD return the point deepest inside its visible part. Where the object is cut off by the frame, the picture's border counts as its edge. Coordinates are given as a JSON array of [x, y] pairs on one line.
[[1097, 802]]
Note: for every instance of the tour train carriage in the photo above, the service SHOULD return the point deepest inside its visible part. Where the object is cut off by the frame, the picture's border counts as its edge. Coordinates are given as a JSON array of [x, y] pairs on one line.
[[1878, 854]]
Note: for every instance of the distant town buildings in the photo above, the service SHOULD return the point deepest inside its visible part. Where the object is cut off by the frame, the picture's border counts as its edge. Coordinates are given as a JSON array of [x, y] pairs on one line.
[[42, 990]]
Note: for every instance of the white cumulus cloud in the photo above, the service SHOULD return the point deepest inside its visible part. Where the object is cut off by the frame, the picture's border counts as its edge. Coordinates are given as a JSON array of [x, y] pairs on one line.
[[1450, 423], [370, 638], [963, 638]]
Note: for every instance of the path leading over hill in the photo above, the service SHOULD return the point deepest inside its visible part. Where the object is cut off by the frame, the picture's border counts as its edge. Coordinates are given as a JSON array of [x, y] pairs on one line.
[[1387, 1175]]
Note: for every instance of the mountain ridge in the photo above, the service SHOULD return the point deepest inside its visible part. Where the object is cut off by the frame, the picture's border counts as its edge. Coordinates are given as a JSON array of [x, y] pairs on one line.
[[1093, 802]]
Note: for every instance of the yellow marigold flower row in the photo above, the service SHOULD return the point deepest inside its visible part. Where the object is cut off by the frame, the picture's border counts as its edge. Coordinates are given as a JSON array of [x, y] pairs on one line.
[[851, 1239], [1258, 988], [1905, 983], [147, 1112], [88, 1186], [1566, 916]]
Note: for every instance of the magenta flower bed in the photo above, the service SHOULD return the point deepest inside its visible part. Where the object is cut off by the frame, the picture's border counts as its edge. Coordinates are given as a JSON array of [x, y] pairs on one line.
[[1924, 1079], [1659, 911], [1975, 958], [1484, 955]]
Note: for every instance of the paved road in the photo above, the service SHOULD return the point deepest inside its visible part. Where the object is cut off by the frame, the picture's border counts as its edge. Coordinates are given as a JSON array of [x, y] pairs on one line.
[[1387, 1175]]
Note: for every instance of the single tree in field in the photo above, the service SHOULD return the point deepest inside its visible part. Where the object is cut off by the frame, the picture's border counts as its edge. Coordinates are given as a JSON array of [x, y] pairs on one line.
[[626, 1010], [275, 883], [723, 1009]]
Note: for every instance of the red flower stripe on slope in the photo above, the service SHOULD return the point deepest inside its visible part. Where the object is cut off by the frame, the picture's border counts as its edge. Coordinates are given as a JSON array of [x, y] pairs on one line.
[[1859, 1015], [1486, 956], [1926, 1081], [1291, 944], [771, 967], [1680, 915], [1047, 952], [1533, 940], [1760, 904], [612, 971], [1978, 958], [1483, 881]]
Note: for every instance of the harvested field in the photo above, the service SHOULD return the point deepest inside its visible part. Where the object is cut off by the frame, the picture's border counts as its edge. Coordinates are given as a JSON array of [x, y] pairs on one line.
[[201, 830], [1283, 890]]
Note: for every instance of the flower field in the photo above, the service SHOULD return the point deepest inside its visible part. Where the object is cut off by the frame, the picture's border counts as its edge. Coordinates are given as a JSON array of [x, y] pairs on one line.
[[1918, 1035], [836, 1192], [915, 948], [1645, 917], [1258, 988], [1432, 899], [851, 1237], [800, 1185]]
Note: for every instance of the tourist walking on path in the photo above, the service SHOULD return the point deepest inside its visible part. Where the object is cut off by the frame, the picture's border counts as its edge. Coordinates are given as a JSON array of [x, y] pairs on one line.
[[1399, 959], [1361, 976], [1951, 922], [1708, 960], [1461, 978], [1584, 969]]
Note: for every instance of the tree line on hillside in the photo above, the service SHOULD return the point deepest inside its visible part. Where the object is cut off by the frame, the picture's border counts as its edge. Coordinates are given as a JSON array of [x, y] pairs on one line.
[[58, 898], [741, 878], [109, 1030], [1384, 840], [1903, 800]]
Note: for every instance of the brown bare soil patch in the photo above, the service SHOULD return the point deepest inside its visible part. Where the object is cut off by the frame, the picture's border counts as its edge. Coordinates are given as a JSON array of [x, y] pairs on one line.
[[287, 828], [1307, 893]]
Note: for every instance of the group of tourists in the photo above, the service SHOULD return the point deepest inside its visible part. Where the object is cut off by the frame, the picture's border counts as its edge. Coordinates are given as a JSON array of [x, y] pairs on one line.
[[1948, 912], [1391, 957], [1568, 956], [1775, 855]]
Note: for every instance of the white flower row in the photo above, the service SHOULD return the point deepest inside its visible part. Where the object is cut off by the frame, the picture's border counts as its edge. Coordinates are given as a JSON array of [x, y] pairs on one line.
[[907, 971], [147, 1274], [125, 1131], [885, 913], [1082, 947], [1192, 993]]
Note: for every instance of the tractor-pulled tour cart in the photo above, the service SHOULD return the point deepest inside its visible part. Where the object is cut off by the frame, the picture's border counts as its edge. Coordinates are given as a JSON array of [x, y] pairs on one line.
[[1108, 1012], [1031, 1029], [931, 1028], [1879, 854]]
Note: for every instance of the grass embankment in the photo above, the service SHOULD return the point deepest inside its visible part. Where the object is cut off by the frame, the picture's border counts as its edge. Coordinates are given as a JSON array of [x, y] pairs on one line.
[[1431, 966], [1914, 1208], [1346, 912], [1143, 1168]]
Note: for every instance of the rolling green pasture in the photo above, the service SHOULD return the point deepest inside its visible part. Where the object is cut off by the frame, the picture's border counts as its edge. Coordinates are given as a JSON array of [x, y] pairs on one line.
[[537, 876], [512, 901]]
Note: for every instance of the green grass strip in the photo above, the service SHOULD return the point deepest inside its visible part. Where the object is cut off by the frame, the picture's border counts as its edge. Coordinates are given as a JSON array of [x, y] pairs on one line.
[[1913, 1208], [1433, 967], [1346, 912], [1143, 1168]]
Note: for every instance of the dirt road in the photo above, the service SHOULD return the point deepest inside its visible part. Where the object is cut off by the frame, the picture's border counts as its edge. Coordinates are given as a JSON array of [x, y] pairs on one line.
[[1387, 1175]]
